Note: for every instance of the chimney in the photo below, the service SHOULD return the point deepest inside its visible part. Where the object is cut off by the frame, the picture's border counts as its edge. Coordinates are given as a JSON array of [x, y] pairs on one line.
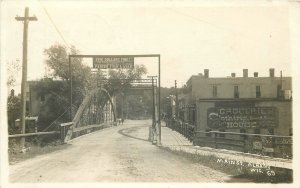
[[245, 73], [255, 74], [233, 75], [206, 73], [272, 72]]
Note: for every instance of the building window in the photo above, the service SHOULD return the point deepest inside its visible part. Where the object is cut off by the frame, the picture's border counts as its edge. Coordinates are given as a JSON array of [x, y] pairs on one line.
[[236, 92], [215, 91], [258, 93]]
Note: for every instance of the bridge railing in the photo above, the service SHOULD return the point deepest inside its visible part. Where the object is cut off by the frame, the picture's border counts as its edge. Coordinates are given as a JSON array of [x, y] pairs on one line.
[[66, 135], [96, 112], [264, 145], [184, 128]]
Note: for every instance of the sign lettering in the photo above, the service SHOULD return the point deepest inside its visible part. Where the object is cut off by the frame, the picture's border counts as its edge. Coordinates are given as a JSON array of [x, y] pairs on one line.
[[242, 117], [113, 62]]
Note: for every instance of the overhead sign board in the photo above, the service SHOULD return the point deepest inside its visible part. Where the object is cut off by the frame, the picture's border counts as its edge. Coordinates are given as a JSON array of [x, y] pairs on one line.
[[113, 62], [242, 117]]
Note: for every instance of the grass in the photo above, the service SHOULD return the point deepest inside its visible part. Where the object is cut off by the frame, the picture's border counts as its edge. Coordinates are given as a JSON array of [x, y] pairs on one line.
[[15, 154]]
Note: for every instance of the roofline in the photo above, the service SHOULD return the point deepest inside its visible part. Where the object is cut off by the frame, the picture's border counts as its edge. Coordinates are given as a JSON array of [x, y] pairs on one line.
[[244, 99], [239, 77]]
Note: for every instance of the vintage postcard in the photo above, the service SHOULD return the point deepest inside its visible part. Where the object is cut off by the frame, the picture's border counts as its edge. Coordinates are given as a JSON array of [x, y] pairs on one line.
[[150, 93]]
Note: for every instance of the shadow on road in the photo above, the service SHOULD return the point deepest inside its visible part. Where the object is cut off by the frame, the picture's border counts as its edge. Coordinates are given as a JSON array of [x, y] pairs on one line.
[[125, 132]]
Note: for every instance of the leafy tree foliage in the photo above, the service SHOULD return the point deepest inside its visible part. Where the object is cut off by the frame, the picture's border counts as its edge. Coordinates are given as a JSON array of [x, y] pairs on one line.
[[119, 80], [138, 104], [83, 79], [56, 88], [13, 102], [13, 112], [13, 69], [55, 106]]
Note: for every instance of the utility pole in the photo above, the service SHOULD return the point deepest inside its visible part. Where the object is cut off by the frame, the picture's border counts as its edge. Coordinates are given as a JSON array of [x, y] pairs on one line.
[[153, 101], [159, 112], [25, 21], [154, 104]]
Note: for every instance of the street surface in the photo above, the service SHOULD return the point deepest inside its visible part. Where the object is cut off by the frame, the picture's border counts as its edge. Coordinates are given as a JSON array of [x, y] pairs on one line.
[[116, 154]]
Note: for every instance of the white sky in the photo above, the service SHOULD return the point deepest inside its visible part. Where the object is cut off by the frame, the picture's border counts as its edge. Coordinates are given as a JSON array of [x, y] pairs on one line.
[[190, 37]]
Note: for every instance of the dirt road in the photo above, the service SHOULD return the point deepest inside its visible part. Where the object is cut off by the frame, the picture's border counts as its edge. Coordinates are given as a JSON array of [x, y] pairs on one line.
[[116, 154]]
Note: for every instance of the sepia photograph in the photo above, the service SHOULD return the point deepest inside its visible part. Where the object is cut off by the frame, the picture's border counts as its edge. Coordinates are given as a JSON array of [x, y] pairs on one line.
[[164, 93]]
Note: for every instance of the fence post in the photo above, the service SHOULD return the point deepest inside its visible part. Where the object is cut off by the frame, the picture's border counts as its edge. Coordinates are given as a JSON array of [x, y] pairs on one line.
[[62, 132]]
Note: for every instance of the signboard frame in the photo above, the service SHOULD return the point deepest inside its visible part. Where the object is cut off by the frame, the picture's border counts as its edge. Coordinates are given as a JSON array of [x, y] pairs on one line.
[[132, 56]]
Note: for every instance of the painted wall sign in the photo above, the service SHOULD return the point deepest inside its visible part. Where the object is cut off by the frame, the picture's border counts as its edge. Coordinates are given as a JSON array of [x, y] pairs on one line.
[[113, 62], [242, 117]]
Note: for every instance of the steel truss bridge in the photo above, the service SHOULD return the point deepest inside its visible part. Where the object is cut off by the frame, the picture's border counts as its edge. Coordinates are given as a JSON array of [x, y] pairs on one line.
[[98, 110], [95, 112]]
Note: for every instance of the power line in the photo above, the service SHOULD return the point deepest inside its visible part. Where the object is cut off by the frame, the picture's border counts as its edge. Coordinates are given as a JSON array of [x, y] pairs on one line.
[[211, 24], [55, 26]]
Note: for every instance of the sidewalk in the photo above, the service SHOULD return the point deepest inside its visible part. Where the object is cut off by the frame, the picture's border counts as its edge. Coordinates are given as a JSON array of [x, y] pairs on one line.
[[176, 142]]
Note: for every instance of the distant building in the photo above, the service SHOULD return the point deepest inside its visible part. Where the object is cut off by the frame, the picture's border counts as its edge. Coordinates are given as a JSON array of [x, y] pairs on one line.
[[39, 92], [205, 87], [35, 96], [253, 105]]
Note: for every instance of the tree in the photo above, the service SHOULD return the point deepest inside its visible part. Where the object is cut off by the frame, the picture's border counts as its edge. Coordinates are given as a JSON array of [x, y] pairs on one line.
[[119, 80], [58, 61], [55, 104], [13, 112], [13, 69], [56, 88], [82, 78], [13, 102]]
